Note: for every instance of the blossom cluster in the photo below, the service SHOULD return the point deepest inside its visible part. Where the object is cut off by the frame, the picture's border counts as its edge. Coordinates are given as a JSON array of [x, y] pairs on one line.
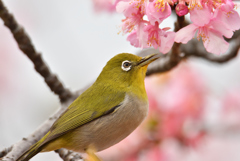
[[210, 20]]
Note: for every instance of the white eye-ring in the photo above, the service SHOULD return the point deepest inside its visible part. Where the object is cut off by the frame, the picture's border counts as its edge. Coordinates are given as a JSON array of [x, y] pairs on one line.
[[126, 65]]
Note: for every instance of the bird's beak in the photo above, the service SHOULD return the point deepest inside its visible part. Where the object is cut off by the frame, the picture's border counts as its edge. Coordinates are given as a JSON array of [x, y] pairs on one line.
[[147, 60]]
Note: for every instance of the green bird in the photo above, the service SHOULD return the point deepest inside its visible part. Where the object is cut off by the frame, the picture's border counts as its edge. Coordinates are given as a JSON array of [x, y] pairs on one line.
[[105, 113]]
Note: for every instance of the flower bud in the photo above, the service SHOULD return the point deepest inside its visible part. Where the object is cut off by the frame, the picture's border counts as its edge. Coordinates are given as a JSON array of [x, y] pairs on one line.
[[181, 9]]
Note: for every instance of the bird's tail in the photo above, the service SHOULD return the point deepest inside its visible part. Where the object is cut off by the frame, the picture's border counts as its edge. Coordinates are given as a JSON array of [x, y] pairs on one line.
[[33, 150]]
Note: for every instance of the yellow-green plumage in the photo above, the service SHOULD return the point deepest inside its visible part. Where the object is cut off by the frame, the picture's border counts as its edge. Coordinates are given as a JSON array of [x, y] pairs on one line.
[[105, 113]]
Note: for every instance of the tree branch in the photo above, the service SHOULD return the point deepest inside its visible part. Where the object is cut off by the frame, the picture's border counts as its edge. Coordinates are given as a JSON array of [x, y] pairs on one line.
[[195, 49], [26, 46], [68, 155], [5, 151]]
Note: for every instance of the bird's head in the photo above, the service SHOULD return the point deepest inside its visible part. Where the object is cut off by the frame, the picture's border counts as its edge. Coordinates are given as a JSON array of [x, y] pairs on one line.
[[126, 70]]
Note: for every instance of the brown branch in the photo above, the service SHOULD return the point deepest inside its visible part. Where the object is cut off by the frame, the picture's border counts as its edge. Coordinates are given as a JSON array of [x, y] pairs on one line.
[[180, 23], [201, 52], [26, 46], [68, 155]]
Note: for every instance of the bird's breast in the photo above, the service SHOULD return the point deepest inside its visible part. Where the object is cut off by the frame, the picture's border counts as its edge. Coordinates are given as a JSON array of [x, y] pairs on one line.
[[112, 128]]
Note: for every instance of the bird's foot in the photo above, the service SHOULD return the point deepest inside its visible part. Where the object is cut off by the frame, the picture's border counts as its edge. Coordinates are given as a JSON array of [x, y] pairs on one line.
[[91, 155]]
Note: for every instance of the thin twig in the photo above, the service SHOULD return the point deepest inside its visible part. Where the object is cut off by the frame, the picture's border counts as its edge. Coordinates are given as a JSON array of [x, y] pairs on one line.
[[68, 155], [26, 46]]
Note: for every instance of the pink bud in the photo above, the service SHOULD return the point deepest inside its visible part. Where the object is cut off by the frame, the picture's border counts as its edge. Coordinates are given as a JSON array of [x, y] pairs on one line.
[[181, 9]]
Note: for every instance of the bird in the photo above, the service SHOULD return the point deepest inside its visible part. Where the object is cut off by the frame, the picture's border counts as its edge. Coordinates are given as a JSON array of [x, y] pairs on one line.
[[107, 112]]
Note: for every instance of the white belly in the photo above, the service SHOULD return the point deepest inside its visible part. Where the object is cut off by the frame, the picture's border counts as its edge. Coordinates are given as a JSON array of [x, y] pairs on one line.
[[111, 129]]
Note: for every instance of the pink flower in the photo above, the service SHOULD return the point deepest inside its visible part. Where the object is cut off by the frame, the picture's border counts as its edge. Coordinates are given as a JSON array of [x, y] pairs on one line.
[[157, 11], [208, 27], [138, 38], [133, 39], [152, 36], [129, 7], [226, 14], [159, 38], [193, 3], [211, 20], [129, 24]]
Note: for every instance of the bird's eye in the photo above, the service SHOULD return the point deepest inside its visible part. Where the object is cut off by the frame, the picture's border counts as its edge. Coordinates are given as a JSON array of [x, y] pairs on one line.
[[126, 65]]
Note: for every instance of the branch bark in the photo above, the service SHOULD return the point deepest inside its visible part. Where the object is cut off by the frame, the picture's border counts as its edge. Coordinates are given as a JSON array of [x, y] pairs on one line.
[[68, 155], [5, 151], [200, 51]]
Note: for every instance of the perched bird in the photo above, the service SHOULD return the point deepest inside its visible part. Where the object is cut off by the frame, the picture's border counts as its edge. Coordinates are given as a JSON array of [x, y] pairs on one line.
[[105, 113]]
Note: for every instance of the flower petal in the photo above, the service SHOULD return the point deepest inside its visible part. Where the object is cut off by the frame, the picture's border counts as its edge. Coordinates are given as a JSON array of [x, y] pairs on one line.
[[221, 28], [167, 41], [127, 8], [200, 16], [186, 34], [231, 19], [133, 39], [228, 6], [142, 36], [157, 14], [216, 44]]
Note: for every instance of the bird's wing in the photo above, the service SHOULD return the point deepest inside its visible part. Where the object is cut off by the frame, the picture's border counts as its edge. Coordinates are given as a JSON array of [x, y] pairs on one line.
[[84, 110]]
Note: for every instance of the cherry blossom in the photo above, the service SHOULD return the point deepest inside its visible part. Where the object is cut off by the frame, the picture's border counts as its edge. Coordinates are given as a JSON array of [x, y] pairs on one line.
[[208, 27], [159, 37], [157, 11], [212, 20]]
